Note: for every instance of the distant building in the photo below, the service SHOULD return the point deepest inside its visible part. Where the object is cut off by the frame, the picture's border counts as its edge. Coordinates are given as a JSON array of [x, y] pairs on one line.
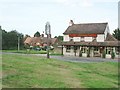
[[39, 41], [95, 38]]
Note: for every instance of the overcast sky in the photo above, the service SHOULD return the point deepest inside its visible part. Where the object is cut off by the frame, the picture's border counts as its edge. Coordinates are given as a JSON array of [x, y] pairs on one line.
[[29, 16]]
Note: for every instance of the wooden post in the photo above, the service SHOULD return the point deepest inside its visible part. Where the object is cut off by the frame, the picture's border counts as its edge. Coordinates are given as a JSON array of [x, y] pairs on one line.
[[62, 50], [48, 46]]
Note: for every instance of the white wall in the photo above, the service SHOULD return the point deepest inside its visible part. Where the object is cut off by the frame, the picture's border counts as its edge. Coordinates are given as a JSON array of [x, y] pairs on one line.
[[108, 56], [66, 38], [100, 38], [88, 39], [76, 39], [71, 53]]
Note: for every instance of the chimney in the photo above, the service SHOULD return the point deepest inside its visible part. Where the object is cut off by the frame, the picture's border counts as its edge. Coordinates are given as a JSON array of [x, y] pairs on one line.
[[50, 35], [42, 35], [71, 23]]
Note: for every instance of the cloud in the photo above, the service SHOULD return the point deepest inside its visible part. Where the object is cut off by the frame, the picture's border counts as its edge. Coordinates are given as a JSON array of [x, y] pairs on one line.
[[87, 3], [75, 3], [82, 3], [105, 0]]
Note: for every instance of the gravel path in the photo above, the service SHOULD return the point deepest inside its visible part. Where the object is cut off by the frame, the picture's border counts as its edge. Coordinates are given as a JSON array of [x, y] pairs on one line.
[[72, 58]]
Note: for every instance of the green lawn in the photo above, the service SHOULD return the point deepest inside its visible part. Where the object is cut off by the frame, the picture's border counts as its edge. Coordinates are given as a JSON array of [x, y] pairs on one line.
[[36, 72], [33, 52]]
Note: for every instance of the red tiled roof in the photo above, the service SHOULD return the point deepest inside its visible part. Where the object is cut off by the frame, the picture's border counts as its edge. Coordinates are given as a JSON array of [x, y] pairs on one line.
[[41, 40]]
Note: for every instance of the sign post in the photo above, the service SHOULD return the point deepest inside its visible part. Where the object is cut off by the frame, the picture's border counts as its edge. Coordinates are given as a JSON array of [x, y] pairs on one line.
[[48, 32], [18, 41]]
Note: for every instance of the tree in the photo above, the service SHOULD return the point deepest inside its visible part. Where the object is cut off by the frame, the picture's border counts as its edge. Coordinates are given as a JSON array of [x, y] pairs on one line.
[[37, 34], [116, 33], [4, 40], [10, 39], [60, 38], [55, 37]]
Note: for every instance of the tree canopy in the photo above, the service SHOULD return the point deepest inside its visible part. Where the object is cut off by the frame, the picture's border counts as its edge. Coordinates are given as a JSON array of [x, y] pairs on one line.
[[10, 39], [37, 34], [116, 33], [60, 38]]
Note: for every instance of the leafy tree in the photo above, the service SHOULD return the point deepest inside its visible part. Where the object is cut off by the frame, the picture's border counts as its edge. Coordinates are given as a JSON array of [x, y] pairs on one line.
[[4, 40], [116, 33], [37, 34], [55, 37], [60, 38], [10, 39]]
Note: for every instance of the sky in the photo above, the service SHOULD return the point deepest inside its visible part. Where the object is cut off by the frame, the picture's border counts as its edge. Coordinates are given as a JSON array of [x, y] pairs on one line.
[[30, 16], [119, 15]]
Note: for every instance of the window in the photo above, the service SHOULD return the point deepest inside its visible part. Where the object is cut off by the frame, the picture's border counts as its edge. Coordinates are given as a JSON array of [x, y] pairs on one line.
[[117, 49], [82, 38], [68, 48], [108, 50], [75, 48], [96, 49], [83, 49]]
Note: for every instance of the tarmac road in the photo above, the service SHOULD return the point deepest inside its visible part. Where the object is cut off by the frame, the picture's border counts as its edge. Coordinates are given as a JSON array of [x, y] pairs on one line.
[[72, 58]]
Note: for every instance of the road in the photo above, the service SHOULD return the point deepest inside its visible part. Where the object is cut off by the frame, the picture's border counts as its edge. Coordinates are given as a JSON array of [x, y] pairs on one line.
[[72, 58]]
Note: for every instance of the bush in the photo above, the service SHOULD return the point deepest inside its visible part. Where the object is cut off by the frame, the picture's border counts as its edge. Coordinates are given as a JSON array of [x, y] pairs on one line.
[[112, 55], [27, 46], [44, 48]]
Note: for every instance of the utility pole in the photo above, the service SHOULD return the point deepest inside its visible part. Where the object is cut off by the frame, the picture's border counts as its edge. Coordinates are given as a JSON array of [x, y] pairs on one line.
[[48, 32], [18, 43]]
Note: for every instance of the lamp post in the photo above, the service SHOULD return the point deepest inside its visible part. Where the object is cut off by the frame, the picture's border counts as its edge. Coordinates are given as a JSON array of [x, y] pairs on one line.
[[48, 32]]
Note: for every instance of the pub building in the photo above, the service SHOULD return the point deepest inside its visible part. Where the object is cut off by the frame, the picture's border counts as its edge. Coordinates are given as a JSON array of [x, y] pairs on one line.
[[89, 40]]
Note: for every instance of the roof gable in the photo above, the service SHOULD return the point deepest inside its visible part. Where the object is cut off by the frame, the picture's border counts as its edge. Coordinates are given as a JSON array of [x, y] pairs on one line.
[[110, 38], [89, 28]]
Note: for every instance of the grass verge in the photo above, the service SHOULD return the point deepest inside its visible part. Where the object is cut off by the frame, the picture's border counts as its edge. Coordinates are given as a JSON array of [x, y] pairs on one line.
[[35, 72]]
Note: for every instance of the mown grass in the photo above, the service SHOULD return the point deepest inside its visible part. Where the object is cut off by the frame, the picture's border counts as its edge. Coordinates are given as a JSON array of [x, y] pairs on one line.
[[51, 52], [26, 51], [35, 72]]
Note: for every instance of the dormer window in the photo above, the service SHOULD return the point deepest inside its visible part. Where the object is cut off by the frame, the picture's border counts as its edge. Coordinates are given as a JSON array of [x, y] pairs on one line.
[[82, 38]]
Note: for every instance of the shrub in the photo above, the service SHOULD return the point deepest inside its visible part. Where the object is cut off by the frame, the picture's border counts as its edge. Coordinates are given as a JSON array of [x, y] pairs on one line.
[[112, 55], [27, 46]]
